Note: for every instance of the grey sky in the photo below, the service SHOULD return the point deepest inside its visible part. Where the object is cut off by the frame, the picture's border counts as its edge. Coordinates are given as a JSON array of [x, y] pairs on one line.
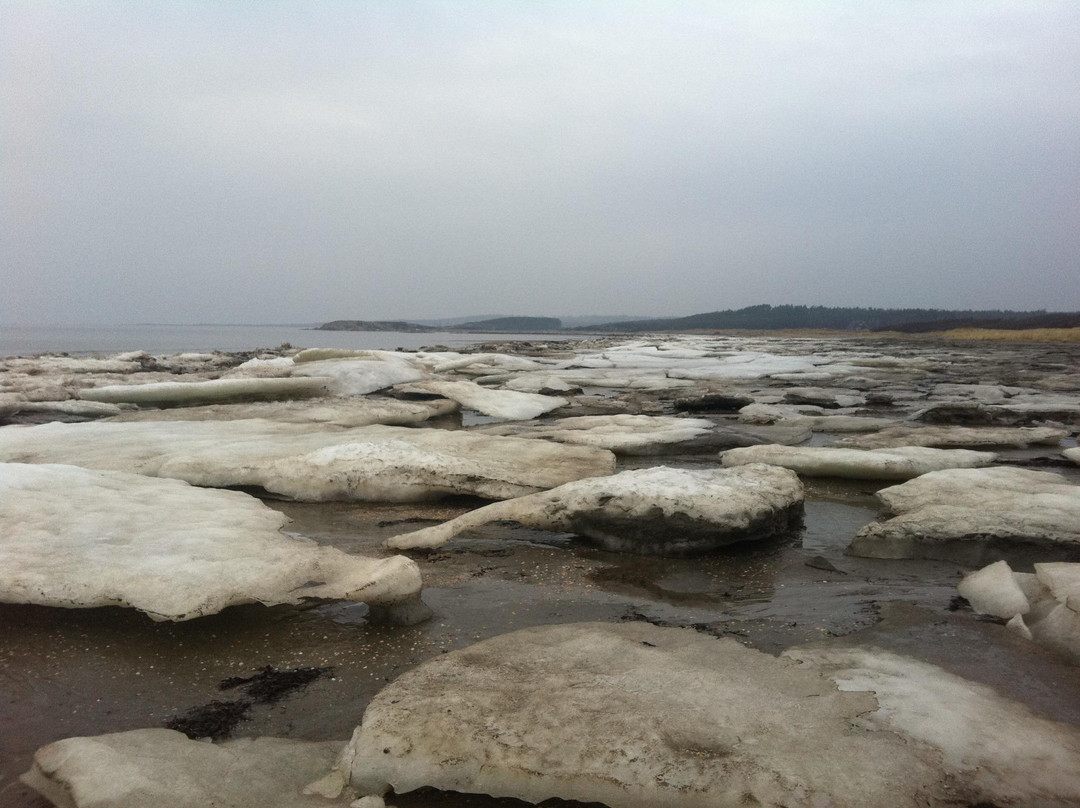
[[299, 161]]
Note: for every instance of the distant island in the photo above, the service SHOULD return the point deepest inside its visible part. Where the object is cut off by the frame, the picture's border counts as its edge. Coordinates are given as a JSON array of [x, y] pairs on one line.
[[518, 325], [751, 318], [374, 325]]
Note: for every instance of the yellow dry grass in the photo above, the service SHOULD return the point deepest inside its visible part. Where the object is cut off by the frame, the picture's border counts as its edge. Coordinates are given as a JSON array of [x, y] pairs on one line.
[[1021, 335], [998, 334]]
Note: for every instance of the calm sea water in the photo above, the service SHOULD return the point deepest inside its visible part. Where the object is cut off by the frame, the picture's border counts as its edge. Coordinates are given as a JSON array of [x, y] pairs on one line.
[[167, 339]]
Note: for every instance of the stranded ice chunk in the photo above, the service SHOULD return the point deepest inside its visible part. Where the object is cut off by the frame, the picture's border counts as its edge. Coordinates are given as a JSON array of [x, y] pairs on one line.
[[507, 405], [358, 377], [342, 412], [994, 590], [1044, 607], [76, 538], [996, 751], [811, 417], [822, 461], [630, 715], [313, 463], [957, 437], [60, 409], [963, 514], [183, 393], [622, 434], [657, 511], [165, 769]]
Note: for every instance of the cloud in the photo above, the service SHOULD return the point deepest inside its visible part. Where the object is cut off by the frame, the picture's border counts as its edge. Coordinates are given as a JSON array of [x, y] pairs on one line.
[[278, 161]]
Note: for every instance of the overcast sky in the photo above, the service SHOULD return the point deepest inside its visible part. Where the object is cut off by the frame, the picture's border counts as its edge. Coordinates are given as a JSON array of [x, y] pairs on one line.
[[264, 161]]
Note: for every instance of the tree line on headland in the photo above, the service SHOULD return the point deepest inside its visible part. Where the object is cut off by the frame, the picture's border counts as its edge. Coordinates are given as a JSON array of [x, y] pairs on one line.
[[757, 318]]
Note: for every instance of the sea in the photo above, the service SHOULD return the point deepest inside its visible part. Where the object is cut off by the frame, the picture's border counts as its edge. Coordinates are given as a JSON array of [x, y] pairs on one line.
[[170, 339]]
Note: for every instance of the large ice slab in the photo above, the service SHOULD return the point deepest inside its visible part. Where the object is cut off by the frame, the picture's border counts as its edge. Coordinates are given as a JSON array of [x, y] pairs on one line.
[[343, 412], [1073, 455], [962, 513], [156, 393], [165, 769], [508, 405], [77, 538], [357, 377], [310, 462], [957, 437], [901, 463], [811, 417], [994, 750], [630, 715], [656, 511], [484, 363], [56, 365], [1021, 409], [684, 362], [77, 409], [622, 434]]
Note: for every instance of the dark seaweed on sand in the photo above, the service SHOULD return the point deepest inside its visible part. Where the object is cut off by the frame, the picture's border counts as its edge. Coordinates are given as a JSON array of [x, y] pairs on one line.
[[215, 720], [270, 685], [218, 719]]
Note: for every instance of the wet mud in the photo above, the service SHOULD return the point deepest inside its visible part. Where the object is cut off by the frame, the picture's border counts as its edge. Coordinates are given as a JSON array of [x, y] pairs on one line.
[[308, 672]]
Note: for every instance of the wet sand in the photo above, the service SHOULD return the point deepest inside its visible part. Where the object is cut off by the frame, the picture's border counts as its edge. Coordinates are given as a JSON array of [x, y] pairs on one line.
[[87, 672]]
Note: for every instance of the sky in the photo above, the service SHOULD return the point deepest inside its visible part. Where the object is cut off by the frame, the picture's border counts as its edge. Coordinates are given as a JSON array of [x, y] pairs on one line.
[[285, 162]]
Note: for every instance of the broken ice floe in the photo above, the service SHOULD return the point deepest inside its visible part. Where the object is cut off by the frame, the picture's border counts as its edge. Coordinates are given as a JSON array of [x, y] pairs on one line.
[[165, 769], [686, 363], [543, 384], [994, 750], [77, 538], [310, 462], [1073, 455], [1043, 606], [342, 412], [1019, 410], [157, 393], [629, 715], [964, 514], [901, 463], [507, 405], [624, 434], [483, 363], [825, 398], [359, 377], [77, 409], [656, 511], [810, 417], [950, 437]]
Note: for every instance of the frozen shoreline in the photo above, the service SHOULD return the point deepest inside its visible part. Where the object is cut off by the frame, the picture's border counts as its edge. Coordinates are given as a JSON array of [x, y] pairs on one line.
[[88, 672]]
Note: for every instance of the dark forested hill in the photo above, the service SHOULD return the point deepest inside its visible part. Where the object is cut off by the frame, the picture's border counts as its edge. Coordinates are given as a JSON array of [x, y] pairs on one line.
[[769, 318], [519, 324]]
